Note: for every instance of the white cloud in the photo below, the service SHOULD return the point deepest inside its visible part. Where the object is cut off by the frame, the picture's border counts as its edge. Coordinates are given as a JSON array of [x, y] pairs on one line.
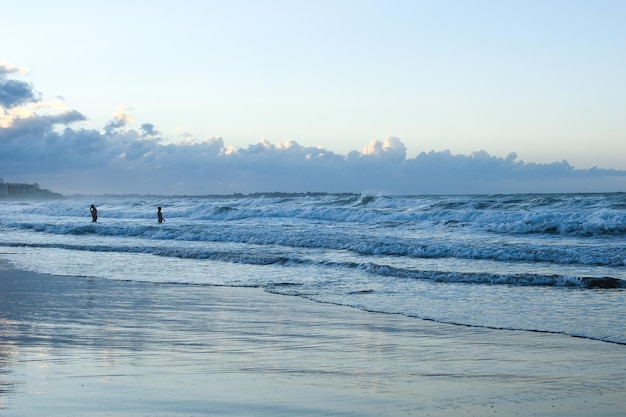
[[7, 68], [392, 148], [51, 150]]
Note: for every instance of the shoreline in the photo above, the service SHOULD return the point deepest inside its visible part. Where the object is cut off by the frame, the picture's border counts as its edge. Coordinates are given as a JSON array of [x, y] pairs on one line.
[[74, 346]]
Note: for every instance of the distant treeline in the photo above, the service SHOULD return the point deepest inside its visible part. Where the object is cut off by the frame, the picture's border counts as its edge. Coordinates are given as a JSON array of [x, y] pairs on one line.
[[20, 191]]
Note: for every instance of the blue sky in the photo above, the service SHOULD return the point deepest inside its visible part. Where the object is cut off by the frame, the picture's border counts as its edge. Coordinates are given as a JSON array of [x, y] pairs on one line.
[[543, 80]]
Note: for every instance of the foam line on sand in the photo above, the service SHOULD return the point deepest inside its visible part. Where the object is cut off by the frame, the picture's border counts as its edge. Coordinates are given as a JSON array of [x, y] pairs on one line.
[[74, 346]]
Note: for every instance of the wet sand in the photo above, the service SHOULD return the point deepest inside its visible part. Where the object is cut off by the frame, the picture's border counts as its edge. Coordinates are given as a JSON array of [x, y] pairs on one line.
[[88, 347]]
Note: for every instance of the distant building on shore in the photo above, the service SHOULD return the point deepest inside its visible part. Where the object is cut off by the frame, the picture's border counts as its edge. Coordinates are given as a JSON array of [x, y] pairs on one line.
[[9, 190]]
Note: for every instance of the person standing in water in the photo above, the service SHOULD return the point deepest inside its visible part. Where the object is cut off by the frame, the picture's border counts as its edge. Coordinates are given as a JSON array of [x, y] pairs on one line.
[[160, 215], [94, 213]]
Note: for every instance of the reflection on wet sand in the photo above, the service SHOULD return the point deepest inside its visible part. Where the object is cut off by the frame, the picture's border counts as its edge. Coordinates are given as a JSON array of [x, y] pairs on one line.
[[77, 346], [8, 353]]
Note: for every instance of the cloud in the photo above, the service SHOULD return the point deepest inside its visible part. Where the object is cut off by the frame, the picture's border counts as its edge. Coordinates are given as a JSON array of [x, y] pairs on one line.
[[55, 151], [120, 119], [391, 148], [148, 130], [14, 92]]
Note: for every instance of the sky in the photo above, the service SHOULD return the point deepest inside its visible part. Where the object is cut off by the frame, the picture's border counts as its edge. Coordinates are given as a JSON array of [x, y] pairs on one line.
[[385, 96]]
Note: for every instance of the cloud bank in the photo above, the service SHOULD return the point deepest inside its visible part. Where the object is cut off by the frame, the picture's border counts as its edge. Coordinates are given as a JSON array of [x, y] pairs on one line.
[[45, 143]]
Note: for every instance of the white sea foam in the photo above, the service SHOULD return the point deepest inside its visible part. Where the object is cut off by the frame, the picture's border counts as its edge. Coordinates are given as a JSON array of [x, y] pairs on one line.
[[443, 258]]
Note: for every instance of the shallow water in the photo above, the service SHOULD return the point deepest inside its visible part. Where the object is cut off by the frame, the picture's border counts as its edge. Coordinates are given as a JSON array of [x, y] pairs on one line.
[[72, 346], [547, 263]]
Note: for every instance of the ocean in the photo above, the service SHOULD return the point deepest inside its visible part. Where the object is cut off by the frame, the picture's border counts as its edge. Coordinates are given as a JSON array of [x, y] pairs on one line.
[[552, 263]]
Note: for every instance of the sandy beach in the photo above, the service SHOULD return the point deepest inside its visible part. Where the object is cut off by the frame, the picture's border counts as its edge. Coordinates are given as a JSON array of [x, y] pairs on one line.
[[74, 346]]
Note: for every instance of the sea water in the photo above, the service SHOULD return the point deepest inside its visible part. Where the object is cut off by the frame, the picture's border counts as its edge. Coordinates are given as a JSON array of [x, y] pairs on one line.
[[534, 262]]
